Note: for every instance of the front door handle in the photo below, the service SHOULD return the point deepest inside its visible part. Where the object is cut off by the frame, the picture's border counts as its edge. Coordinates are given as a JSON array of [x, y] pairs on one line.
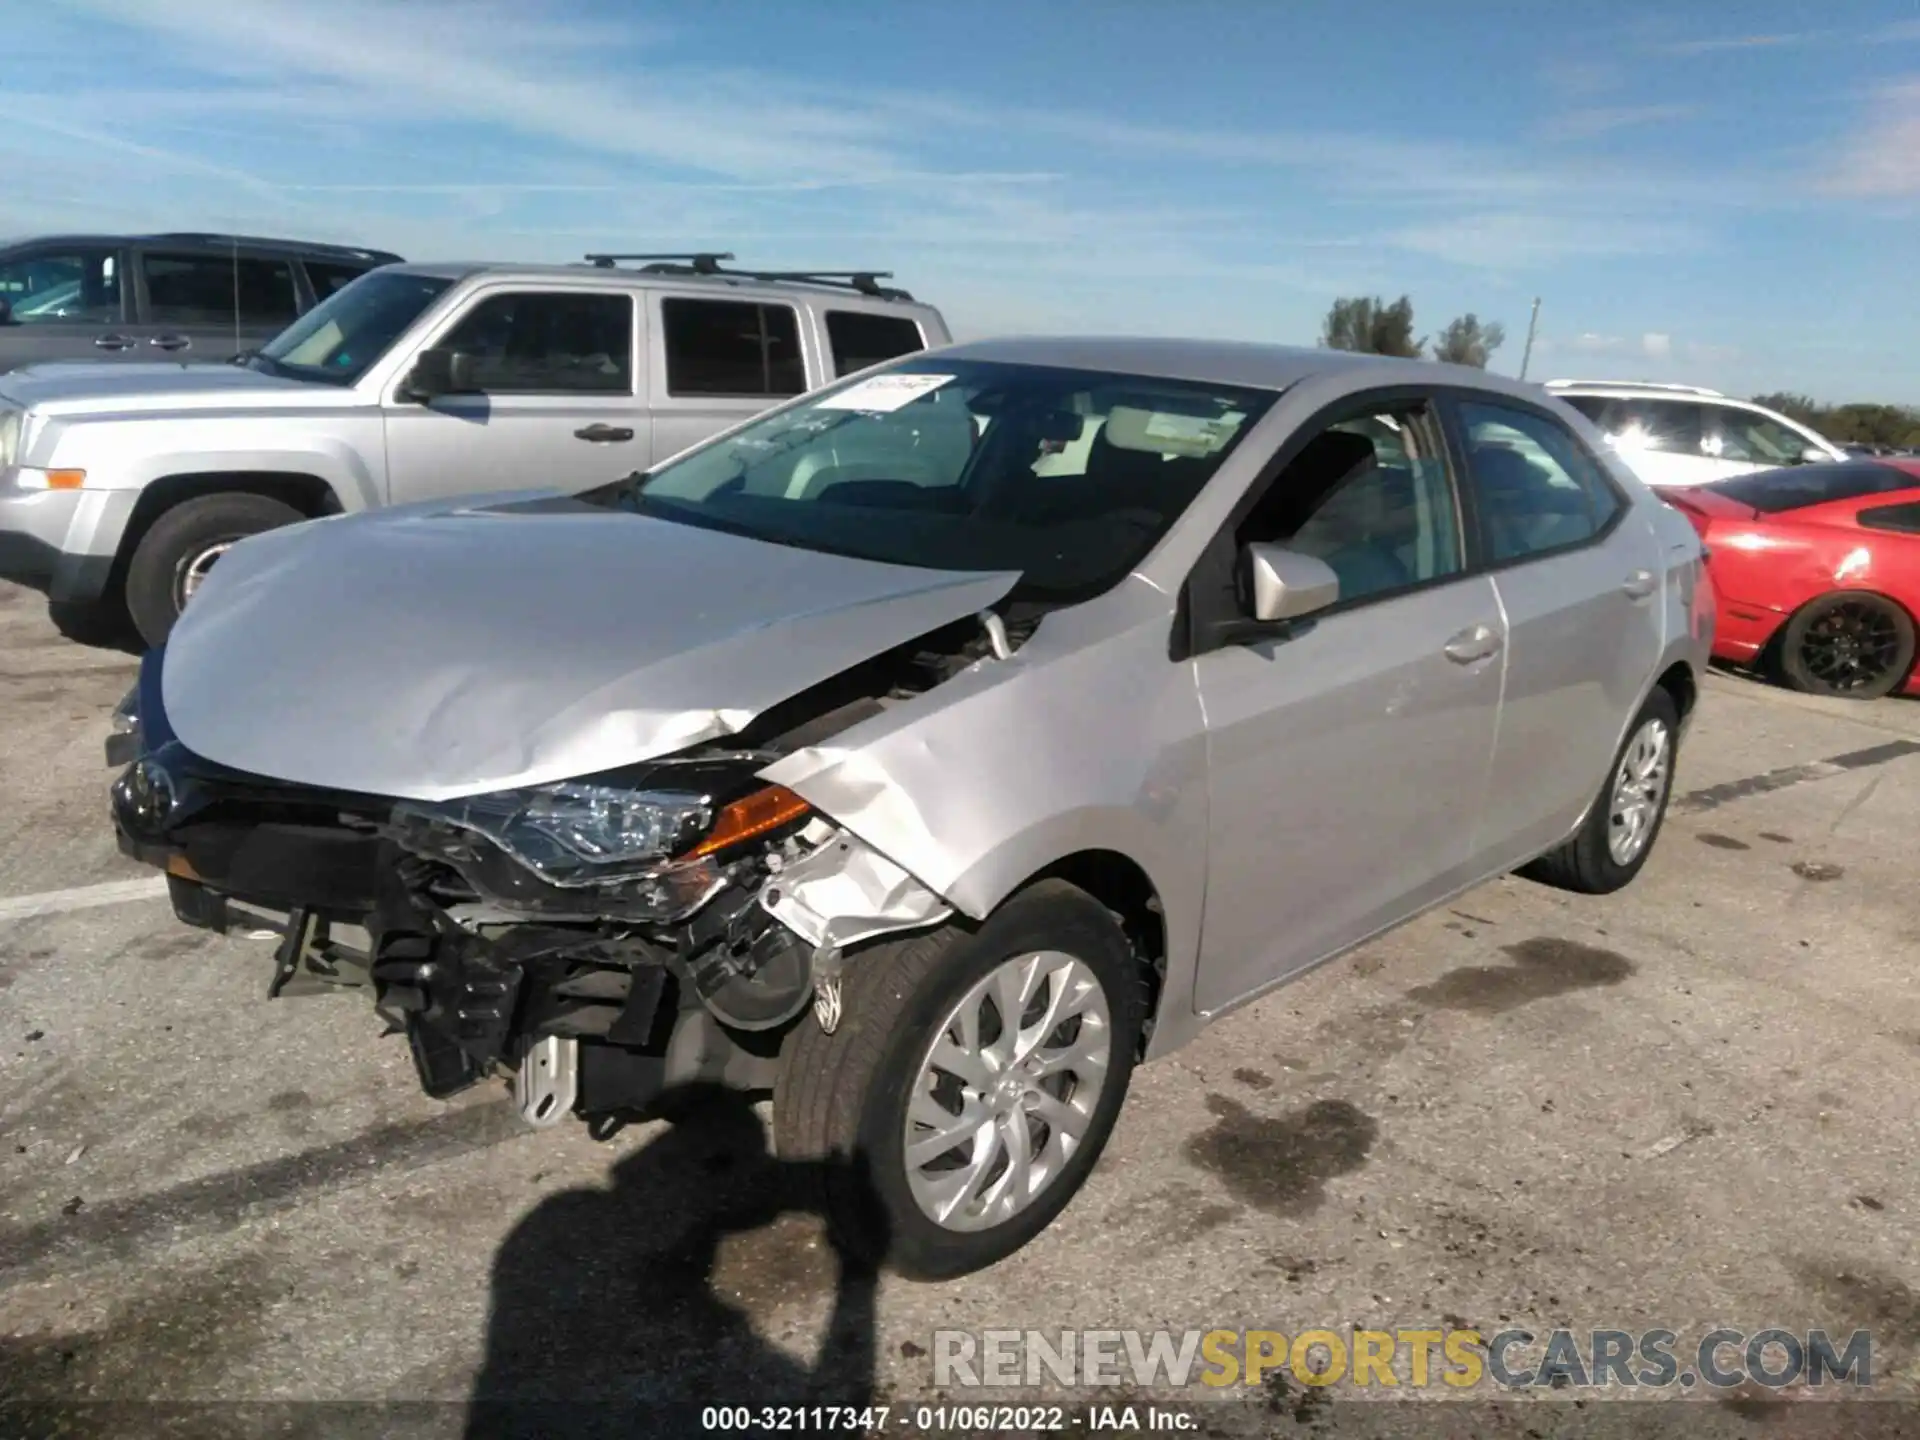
[[114, 342], [1639, 585], [1475, 643], [603, 434], [170, 342]]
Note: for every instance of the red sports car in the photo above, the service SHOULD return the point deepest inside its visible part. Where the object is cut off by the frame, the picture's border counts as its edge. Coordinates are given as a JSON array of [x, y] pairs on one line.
[[1817, 572]]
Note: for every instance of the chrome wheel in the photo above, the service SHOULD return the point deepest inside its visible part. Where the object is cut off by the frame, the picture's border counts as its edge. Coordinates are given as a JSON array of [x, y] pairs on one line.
[[1007, 1089], [1639, 786], [193, 568]]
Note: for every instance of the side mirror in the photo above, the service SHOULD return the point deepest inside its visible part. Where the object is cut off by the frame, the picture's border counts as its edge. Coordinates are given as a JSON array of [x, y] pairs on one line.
[[1813, 455], [1284, 584], [441, 372]]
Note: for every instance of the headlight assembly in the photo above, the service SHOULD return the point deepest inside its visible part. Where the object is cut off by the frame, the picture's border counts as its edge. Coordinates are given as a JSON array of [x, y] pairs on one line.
[[578, 834]]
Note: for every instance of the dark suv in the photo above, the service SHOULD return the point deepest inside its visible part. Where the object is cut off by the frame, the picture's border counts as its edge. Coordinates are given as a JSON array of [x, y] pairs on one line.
[[158, 297]]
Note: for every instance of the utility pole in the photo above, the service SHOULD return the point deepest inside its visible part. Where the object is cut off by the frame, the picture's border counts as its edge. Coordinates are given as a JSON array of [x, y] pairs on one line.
[[1527, 354]]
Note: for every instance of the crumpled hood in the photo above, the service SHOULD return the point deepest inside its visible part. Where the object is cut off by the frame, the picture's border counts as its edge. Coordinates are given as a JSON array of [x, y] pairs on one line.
[[447, 650]]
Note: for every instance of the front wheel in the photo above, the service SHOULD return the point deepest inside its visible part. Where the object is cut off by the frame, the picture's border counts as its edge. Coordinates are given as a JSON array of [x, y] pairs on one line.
[[1851, 644], [970, 1085], [182, 547], [1613, 842]]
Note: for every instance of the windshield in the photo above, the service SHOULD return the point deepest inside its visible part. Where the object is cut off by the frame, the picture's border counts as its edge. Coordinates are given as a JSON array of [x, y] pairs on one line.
[[1068, 476], [341, 337]]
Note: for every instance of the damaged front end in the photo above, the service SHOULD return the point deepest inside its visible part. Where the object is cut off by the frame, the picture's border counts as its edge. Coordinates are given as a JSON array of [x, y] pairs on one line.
[[599, 941]]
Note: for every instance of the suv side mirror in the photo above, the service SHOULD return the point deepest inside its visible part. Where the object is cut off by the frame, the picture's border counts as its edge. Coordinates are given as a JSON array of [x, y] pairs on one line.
[[441, 372], [1284, 584], [1813, 455]]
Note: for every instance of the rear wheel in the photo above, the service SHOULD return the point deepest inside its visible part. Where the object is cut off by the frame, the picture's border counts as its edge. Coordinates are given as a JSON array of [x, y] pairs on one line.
[[970, 1084], [1613, 842], [1851, 644], [183, 546]]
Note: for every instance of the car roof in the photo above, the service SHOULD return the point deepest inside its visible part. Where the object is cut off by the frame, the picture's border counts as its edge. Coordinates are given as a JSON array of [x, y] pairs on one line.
[[208, 239], [1228, 362], [1651, 388], [624, 278]]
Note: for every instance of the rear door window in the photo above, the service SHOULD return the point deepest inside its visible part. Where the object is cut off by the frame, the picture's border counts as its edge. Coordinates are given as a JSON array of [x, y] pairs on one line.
[[209, 289], [1535, 488], [327, 277], [1670, 427], [1903, 519], [859, 339], [549, 343], [1754, 439], [732, 348]]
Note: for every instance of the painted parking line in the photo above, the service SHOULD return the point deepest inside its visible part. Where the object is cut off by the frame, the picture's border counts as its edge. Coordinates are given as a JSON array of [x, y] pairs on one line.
[[85, 897]]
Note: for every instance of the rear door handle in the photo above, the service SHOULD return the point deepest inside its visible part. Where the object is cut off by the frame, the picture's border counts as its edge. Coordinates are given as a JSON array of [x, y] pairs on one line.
[[170, 342], [114, 342], [603, 434], [1475, 643], [1639, 585]]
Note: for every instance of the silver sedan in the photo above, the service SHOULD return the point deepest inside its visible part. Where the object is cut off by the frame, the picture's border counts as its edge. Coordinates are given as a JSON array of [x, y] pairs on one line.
[[931, 750]]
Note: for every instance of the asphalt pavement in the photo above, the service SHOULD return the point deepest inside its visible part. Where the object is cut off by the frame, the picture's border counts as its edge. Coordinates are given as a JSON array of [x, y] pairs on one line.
[[1684, 1106]]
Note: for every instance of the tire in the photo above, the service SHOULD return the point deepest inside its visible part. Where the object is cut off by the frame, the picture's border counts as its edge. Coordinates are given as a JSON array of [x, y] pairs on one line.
[[1586, 862], [841, 1100], [1852, 645], [157, 576]]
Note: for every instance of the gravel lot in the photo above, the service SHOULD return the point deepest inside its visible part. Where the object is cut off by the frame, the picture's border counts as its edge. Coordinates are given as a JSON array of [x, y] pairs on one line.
[[1687, 1105]]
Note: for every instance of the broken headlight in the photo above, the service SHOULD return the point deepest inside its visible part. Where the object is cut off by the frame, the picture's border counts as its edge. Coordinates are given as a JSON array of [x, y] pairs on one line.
[[575, 833]]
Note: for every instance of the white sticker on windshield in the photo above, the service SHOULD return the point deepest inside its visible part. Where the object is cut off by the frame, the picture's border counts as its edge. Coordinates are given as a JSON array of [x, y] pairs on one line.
[[1190, 429], [883, 392]]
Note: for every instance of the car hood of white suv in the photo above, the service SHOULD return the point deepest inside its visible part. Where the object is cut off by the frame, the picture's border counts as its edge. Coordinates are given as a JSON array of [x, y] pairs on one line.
[[450, 649], [87, 386]]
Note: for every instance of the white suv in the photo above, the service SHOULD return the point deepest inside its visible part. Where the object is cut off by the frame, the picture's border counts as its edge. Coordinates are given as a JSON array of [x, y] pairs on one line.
[[1686, 435]]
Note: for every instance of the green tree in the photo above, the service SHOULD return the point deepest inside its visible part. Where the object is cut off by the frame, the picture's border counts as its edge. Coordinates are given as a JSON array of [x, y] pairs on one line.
[[1372, 327], [1468, 342]]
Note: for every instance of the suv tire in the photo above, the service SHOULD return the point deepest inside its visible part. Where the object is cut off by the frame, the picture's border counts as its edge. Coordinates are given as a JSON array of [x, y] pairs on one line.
[[1639, 782], [183, 543], [842, 1101]]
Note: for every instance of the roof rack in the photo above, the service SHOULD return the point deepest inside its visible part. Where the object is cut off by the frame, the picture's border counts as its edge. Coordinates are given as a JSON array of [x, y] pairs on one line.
[[861, 282], [316, 247], [700, 262]]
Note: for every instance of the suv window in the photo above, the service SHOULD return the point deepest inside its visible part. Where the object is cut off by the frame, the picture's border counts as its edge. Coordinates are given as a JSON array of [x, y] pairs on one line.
[[860, 339], [1371, 497], [541, 342], [1773, 491], [733, 348], [327, 277], [1535, 489], [1903, 518], [1756, 439], [218, 290], [82, 285], [1672, 427]]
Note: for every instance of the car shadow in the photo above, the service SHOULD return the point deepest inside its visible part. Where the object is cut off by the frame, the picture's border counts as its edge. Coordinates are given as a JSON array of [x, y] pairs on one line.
[[608, 1311], [97, 625]]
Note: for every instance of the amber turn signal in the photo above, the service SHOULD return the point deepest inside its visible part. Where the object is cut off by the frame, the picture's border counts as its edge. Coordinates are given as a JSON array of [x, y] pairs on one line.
[[756, 814]]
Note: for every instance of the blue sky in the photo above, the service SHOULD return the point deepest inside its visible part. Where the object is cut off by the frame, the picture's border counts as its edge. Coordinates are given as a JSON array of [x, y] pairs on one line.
[[1724, 194]]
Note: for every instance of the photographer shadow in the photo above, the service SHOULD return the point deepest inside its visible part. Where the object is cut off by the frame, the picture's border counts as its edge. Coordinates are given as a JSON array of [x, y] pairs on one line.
[[608, 1314]]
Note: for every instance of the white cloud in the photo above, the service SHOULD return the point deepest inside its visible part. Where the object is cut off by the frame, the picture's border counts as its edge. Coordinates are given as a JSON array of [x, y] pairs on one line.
[[1883, 160], [1656, 346], [1592, 121], [1522, 240], [1716, 44]]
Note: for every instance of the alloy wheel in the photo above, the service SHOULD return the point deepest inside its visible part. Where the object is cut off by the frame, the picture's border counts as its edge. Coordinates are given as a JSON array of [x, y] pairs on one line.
[[1007, 1089], [1639, 787]]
